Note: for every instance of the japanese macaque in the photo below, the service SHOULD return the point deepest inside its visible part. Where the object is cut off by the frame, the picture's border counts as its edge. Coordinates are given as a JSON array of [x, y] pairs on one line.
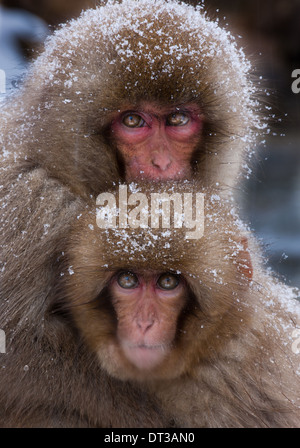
[[149, 101], [131, 91], [192, 321]]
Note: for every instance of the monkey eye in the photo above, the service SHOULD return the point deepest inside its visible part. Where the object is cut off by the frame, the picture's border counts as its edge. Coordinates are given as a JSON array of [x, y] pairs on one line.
[[133, 121], [127, 280], [168, 281], [177, 119]]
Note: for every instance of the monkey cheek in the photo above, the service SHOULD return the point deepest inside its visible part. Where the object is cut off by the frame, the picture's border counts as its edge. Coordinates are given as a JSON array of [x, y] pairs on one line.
[[145, 357]]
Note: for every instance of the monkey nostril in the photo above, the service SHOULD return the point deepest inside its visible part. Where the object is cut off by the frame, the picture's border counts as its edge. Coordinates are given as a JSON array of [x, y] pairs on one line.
[[163, 163], [145, 325]]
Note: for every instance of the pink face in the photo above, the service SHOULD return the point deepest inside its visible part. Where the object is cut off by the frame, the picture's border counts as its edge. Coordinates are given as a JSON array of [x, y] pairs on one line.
[[158, 143], [147, 307]]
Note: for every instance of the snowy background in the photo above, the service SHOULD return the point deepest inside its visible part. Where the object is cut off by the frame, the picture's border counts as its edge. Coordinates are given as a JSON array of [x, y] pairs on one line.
[[270, 34]]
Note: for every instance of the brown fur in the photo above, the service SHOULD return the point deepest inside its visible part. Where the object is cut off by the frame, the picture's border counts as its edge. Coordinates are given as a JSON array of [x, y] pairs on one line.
[[56, 155], [232, 358], [59, 120]]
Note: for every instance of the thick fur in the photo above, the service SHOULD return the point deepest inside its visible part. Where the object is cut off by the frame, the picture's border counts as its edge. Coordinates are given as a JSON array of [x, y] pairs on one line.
[[56, 155], [119, 56], [233, 356]]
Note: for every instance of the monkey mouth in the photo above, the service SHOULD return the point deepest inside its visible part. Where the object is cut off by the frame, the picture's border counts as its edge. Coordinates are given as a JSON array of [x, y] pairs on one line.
[[145, 356]]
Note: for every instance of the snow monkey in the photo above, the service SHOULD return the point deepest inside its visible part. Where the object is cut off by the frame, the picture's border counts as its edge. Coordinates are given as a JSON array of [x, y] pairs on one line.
[[191, 320], [131, 91]]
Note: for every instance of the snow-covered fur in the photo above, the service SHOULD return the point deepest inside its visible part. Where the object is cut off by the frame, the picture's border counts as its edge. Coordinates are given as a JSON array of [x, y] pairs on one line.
[[56, 157], [234, 362], [125, 54]]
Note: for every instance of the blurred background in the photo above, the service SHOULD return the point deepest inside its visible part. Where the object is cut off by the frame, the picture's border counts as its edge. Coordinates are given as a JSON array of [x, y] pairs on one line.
[[270, 199], [270, 35]]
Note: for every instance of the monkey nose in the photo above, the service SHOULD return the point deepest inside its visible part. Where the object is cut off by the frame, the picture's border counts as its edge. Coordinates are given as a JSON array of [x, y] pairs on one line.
[[145, 324], [161, 161]]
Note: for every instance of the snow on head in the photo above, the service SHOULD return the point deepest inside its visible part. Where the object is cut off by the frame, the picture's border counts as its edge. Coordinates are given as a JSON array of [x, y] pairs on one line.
[[134, 52], [144, 38]]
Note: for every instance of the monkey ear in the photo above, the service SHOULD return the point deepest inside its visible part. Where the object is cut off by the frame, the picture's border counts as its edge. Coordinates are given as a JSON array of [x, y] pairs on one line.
[[244, 259]]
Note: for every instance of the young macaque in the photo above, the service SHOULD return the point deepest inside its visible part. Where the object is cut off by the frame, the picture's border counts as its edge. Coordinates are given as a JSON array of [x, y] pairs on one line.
[[132, 91], [197, 323]]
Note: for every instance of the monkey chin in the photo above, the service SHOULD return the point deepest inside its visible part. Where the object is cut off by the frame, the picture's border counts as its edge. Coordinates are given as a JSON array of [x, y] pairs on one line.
[[137, 362], [145, 357]]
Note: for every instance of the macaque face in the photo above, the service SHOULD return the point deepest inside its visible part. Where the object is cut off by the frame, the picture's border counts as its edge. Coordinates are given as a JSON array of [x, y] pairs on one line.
[[140, 318], [158, 143], [147, 306]]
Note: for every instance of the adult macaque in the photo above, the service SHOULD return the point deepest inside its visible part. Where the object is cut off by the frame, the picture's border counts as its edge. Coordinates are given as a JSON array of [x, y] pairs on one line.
[[131, 90], [195, 323]]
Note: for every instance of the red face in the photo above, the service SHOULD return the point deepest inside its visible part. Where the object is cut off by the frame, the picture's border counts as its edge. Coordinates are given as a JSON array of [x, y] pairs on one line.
[[158, 143], [147, 307]]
